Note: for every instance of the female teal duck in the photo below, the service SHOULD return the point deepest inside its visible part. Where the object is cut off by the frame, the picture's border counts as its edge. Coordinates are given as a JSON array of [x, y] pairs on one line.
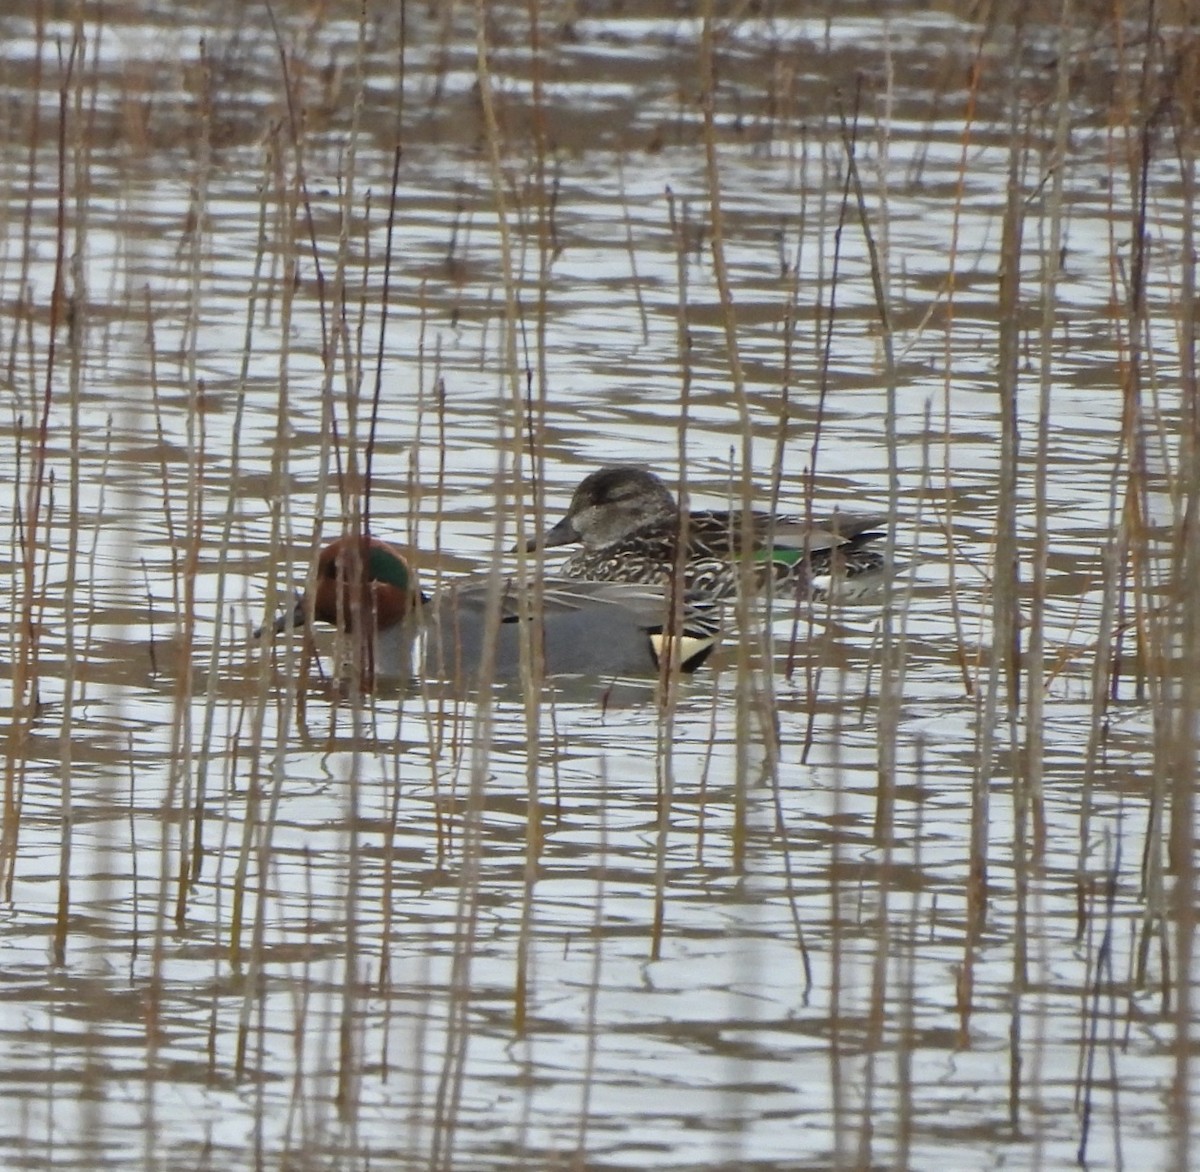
[[630, 527], [587, 628]]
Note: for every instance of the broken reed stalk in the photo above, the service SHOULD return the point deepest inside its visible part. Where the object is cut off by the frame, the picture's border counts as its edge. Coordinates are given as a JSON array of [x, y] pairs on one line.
[[639, 298]]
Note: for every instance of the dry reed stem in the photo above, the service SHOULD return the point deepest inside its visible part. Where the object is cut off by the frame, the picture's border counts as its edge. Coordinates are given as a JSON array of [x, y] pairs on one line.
[[32, 598], [1184, 752], [892, 652], [1161, 629], [755, 689], [73, 138], [969, 120]]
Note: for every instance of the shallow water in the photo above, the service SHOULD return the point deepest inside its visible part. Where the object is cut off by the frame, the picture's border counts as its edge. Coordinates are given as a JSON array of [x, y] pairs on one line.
[[422, 932]]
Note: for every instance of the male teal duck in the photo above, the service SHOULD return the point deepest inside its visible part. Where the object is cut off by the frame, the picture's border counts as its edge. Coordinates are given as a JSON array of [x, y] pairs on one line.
[[630, 525], [601, 629]]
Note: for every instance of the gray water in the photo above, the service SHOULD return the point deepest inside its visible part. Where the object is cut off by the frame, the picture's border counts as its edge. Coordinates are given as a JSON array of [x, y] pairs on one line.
[[411, 937]]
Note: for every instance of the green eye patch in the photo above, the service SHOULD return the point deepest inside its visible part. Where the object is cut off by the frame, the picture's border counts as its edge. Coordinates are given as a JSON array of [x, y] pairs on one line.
[[385, 566]]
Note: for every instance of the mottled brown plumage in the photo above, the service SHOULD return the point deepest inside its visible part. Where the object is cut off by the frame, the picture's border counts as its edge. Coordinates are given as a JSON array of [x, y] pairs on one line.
[[630, 526]]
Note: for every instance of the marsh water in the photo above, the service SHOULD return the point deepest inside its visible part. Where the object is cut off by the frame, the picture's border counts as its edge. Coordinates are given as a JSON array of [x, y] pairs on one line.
[[257, 260]]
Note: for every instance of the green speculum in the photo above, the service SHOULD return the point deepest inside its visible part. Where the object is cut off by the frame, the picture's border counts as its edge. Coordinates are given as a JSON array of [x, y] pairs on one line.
[[780, 557]]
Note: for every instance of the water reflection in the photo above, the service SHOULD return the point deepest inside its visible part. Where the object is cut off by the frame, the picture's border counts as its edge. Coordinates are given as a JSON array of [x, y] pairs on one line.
[[614, 927]]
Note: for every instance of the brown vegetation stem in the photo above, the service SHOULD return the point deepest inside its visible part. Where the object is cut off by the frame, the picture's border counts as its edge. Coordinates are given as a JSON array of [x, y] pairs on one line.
[[533, 408], [33, 150], [1006, 653], [948, 499], [1187, 646], [1114, 550], [787, 373], [1101, 979], [73, 122], [639, 298], [891, 676], [183, 747], [1003, 661], [386, 897], [297, 140], [587, 1076], [664, 773], [530, 643], [389, 237], [813, 664], [294, 666], [783, 420], [453, 1072], [356, 499], [24, 667], [1131, 568], [545, 204], [755, 701], [891, 682], [1029, 797], [300, 199], [1028, 801], [381, 344], [207, 751]]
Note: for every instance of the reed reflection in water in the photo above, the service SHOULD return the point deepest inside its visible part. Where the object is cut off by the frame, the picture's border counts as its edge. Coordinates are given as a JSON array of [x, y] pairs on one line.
[[882, 880]]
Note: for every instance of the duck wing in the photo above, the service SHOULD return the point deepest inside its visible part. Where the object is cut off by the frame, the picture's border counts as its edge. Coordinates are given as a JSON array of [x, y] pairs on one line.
[[840, 529], [587, 628]]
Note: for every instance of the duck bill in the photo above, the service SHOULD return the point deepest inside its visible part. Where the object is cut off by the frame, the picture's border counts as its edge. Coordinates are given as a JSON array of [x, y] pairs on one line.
[[564, 533], [286, 621]]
